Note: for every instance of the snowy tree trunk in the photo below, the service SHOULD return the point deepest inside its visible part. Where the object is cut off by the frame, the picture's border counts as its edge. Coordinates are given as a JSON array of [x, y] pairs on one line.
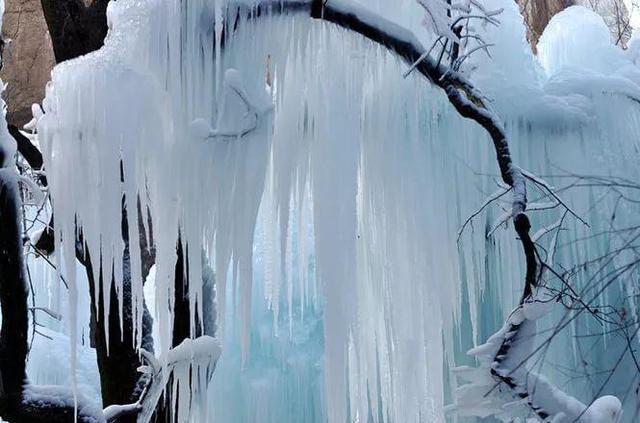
[[117, 355], [116, 350], [181, 326], [13, 298], [77, 29], [182, 305], [40, 406]]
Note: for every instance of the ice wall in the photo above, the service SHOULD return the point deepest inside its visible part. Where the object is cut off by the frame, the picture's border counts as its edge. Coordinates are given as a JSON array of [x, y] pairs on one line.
[[342, 294]]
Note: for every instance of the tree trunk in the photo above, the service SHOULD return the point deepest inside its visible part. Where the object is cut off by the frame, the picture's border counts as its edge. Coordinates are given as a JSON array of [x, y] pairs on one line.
[[13, 298], [117, 353], [15, 406], [75, 29]]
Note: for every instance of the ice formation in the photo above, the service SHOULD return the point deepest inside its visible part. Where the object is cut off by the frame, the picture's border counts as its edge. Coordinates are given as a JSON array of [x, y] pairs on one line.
[[326, 191]]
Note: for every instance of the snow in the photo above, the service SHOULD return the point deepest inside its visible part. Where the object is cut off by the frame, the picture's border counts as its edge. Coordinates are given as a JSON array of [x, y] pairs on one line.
[[113, 411], [570, 40], [49, 365], [604, 409], [54, 396], [190, 350]]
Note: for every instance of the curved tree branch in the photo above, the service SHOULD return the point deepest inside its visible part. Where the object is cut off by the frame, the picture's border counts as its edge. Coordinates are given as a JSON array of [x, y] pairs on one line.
[[462, 94]]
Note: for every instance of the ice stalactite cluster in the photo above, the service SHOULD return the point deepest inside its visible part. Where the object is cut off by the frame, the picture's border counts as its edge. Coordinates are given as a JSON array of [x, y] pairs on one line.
[[331, 219]]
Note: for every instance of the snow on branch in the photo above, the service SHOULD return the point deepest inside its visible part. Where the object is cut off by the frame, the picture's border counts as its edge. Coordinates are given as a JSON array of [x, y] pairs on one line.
[[182, 363], [181, 366], [518, 390], [454, 22], [255, 108]]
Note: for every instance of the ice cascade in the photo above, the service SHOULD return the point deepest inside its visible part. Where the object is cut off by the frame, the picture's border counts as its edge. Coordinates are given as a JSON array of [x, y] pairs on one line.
[[326, 192]]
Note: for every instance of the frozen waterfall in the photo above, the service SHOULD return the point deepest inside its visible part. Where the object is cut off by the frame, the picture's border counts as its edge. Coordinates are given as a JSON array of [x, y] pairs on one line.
[[326, 192]]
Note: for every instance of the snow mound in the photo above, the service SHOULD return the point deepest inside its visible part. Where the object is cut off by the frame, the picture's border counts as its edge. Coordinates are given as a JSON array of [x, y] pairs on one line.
[[578, 37]]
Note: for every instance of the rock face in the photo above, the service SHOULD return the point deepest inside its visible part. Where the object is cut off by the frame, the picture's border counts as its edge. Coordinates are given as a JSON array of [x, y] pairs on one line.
[[28, 58]]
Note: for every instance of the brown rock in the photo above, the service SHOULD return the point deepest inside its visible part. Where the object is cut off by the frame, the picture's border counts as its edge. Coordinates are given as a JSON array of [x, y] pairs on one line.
[[28, 58]]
